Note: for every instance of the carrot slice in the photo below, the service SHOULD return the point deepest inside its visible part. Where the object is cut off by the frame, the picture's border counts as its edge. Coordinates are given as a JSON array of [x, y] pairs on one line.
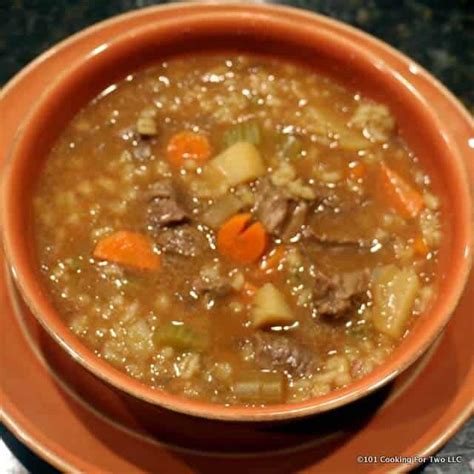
[[273, 258], [419, 245], [128, 248], [402, 196], [188, 146], [240, 243]]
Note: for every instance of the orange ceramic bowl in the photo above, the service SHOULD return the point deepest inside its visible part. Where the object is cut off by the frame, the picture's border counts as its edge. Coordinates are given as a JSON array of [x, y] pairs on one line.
[[271, 31]]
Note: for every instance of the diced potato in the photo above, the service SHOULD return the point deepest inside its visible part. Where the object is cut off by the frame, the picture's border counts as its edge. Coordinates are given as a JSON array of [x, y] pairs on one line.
[[394, 293], [270, 308], [146, 126], [240, 163]]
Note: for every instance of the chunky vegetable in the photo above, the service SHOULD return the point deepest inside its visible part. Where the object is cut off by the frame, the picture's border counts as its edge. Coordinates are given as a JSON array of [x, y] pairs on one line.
[[242, 132], [221, 210], [128, 248], [270, 308], [240, 242], [188, 146], [260, 387], [240, 163], [401, 195], [394, 293], [180, 338], [146, 126]]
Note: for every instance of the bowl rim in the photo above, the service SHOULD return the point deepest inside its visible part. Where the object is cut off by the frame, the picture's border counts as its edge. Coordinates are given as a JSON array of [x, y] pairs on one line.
[[58, 330]]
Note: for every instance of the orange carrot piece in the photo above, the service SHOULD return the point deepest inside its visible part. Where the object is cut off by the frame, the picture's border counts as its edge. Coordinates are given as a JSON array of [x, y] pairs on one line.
[[188, 146], [402, 196], [239, 242], [128, 248], [359, 171], [419, 245], [272, 260]]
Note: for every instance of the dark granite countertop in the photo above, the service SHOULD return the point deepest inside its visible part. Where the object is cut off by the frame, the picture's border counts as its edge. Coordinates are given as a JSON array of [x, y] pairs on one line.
[[439, 34]]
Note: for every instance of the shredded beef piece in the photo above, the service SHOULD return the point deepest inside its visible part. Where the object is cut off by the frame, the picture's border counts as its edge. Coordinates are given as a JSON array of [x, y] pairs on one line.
[[335, 241], [163, 207], [275, 351], [280, 214], [271, 206], [337, 295], [142, 151], [183, 239], [215, 286]]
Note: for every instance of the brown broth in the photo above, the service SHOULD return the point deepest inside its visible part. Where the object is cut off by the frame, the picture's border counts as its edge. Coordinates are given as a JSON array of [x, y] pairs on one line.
[[100, 168]]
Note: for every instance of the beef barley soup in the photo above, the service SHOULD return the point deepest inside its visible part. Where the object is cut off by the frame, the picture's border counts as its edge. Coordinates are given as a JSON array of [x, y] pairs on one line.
[[237, 229]]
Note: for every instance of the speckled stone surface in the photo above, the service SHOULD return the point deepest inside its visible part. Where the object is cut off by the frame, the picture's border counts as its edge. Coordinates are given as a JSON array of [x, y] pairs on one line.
[[439, 34]]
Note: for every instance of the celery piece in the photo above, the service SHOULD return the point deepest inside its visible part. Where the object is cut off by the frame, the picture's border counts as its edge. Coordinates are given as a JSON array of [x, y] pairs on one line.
[[180, 338], [260, 387], [248, 131]]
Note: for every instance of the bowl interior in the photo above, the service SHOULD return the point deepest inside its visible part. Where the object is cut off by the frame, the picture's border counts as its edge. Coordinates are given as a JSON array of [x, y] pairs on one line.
[[261, 33]]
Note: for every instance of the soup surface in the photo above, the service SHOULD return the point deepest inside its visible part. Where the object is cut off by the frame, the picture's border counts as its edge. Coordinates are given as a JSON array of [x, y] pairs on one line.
[[237, 229]]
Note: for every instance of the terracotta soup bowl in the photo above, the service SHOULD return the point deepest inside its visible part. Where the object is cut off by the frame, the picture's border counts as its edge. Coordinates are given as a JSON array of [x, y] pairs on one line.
[[263, 31]]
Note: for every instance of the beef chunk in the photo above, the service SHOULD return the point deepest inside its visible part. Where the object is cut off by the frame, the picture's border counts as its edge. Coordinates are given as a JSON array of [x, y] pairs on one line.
[[163, 212], [344, 224], [211, 282], [163, 189], [280, 214], [142, 151], [271, 206], [337, 295], [183, 239], [275, 351], [326, 240], [163, 207]]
